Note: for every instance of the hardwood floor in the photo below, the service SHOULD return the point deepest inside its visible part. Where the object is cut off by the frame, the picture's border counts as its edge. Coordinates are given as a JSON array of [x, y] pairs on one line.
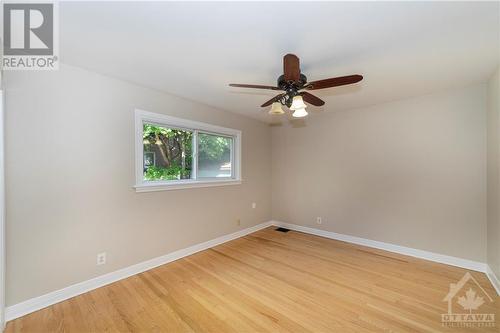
[[271, 282]]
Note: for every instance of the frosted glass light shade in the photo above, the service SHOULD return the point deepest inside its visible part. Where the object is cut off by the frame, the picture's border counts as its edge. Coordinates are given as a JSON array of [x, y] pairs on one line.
[[298, 103], [299, 113], [276, 108]]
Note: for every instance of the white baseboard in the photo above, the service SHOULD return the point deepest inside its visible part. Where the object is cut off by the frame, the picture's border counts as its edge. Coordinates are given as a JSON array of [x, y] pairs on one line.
[[436, 257], [493, 279], [37, 303]]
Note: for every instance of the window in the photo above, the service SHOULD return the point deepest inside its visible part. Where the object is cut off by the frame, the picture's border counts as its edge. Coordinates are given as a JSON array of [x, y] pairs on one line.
[[174, 153], [214, 155], [174, 150]]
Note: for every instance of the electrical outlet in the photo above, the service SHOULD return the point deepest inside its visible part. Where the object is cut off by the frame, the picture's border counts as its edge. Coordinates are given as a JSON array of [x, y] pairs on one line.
[[254, 205], [101, 258], [319, 220], [238, 222]]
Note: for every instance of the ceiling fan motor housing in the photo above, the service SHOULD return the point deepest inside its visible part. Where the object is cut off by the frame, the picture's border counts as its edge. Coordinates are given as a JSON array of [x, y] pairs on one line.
[[291, 88], [298, 84]]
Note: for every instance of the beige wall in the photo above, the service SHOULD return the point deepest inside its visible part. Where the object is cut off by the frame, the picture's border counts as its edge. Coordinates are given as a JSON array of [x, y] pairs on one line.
[[70, 172], [493, 173], [410, 172]]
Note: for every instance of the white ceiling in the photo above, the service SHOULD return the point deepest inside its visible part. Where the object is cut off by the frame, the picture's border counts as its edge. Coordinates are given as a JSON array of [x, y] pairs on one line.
[[194, 50]]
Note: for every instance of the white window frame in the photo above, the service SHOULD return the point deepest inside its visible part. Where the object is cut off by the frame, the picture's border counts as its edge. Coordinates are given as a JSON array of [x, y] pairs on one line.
[[141, 185]]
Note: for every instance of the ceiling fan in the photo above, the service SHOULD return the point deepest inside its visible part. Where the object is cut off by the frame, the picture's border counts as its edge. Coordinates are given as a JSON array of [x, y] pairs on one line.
[[293, 83]]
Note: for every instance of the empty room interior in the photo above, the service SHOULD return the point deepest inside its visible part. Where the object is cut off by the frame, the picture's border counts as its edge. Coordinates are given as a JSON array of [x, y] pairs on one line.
[[250, 166]]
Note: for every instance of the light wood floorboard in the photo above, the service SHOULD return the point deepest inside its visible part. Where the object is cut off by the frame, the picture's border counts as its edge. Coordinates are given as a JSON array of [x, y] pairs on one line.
[[270, 282]]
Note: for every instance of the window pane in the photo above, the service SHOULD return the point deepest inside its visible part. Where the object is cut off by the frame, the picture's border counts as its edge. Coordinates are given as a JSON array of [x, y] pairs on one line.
[[168, 153], [214, 156]]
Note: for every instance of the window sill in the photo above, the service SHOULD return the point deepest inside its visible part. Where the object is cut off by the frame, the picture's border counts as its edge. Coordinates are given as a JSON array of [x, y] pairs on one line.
[[181, 185]]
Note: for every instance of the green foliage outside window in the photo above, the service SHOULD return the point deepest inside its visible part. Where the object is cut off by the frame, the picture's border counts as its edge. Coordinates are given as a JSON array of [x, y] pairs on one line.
[[213, 148], [171, 173], [173, 150]]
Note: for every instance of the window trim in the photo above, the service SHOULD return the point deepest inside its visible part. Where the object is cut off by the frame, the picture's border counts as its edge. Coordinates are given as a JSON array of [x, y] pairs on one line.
[[142, 116]]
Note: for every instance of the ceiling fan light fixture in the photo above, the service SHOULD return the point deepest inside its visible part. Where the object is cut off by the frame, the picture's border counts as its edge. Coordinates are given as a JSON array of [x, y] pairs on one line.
[[300, 113], [276, 108], [298, 103]]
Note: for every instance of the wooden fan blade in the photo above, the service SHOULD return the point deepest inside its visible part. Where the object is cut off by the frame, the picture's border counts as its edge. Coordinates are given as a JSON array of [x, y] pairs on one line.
[[311, 99], [272, 100], [291, 67], [256, 86], [333, 82]]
